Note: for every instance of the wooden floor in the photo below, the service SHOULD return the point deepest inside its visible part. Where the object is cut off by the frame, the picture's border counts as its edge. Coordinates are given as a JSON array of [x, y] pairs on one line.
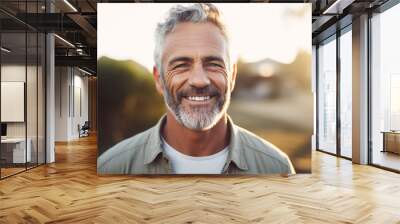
[[69, 191], [387, 159], [10, 171]]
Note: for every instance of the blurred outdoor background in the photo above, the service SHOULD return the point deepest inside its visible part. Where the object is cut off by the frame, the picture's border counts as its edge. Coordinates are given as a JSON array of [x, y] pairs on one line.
[[272, 96]]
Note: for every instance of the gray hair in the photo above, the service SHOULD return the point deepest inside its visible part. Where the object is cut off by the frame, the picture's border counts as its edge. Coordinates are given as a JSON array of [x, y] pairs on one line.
[[196, 13]]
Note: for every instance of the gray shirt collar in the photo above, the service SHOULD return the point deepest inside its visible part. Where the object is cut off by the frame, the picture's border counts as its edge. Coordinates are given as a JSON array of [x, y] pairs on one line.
[[154, 145]]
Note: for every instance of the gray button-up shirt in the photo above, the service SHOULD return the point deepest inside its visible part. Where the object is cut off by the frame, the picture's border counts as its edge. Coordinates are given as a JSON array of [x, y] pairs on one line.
[[143, 154]]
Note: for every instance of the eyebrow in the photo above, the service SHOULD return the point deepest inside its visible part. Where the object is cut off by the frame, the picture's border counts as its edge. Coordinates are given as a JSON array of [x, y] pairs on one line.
[[213, 58], [188, 59], [179, 59]]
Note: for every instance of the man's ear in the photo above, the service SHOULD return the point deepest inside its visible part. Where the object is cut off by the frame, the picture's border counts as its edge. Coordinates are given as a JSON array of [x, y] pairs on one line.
[[233, 77], [158, 80]]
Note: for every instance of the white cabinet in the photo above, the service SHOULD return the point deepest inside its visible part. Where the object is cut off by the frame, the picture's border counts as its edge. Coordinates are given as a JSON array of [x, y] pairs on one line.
[[18, 149]]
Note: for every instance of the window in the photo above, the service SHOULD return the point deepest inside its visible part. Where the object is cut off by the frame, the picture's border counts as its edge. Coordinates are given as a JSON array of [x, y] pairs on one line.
[[346, 93], [385, 89], [327, 96]]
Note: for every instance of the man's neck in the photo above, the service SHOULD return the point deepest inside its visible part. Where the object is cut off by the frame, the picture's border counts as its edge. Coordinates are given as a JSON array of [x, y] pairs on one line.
[[196, 143]]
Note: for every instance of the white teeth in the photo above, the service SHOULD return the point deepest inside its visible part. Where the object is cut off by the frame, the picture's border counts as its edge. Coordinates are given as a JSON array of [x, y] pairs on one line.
[[199, 98]]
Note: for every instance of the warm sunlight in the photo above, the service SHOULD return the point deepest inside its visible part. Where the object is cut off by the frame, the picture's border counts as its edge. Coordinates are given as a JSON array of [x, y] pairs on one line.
[[258, 31]]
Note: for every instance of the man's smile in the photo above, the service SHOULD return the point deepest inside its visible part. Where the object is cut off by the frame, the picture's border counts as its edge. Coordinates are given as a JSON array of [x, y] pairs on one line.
[[198, 100]]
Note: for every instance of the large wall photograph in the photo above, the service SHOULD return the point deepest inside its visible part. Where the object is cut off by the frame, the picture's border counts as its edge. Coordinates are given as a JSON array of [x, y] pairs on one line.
[[204, 88]]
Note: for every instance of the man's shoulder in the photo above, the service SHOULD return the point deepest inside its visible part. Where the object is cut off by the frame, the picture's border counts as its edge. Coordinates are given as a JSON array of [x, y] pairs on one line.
[[256, 148], [121, 154]]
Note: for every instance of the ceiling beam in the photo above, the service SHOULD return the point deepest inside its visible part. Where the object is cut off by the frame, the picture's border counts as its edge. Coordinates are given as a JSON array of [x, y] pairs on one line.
[[86, 26], [337, 6], [81, 61]]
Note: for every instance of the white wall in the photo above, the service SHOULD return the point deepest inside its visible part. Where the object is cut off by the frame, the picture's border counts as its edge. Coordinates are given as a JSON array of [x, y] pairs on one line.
[[71, 93], [61, 103]]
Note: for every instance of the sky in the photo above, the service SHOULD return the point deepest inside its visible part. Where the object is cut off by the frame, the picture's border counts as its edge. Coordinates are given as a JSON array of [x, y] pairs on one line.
[[257, 30]]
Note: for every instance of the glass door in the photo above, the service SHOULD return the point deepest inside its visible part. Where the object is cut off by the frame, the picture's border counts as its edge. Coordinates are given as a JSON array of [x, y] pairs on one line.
[[14, 153], [22, 77]]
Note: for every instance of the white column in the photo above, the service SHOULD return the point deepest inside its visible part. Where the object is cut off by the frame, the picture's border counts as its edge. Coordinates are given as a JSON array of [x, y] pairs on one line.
[[50, 92], [50, 110], [360, 90]]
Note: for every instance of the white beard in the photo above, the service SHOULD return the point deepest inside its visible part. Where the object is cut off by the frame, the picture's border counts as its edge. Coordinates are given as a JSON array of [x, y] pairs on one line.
[[200, 118]]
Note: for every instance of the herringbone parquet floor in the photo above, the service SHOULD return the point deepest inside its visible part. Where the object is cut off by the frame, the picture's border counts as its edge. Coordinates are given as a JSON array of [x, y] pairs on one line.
[[69, 191]]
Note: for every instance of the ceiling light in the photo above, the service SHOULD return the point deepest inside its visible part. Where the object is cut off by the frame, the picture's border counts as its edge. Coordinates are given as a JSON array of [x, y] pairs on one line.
[[5, 50], [70, 5], [64, 40]]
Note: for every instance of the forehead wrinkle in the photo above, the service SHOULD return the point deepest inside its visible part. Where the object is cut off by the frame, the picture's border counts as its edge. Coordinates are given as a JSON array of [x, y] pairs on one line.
[[195, 53]]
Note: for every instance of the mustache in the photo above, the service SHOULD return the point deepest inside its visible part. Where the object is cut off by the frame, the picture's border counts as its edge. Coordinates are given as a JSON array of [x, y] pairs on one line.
[[208, 90]]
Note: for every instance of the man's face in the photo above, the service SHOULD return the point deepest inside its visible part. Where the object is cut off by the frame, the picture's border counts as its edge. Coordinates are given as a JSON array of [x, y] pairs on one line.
[[196, 82]]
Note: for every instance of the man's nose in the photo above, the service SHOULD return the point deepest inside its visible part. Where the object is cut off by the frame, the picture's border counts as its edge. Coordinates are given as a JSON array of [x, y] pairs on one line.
[[199, 78]]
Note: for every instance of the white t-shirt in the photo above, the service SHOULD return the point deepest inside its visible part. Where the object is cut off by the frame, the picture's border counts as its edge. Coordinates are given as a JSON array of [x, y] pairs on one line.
[[184, 164]]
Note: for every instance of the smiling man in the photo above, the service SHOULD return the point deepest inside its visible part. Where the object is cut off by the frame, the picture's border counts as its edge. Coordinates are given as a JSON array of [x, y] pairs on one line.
[[194, 73]]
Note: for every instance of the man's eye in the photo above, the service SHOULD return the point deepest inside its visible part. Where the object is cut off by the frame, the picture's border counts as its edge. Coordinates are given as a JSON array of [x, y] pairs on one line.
[[215, 65], [180, 66]]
